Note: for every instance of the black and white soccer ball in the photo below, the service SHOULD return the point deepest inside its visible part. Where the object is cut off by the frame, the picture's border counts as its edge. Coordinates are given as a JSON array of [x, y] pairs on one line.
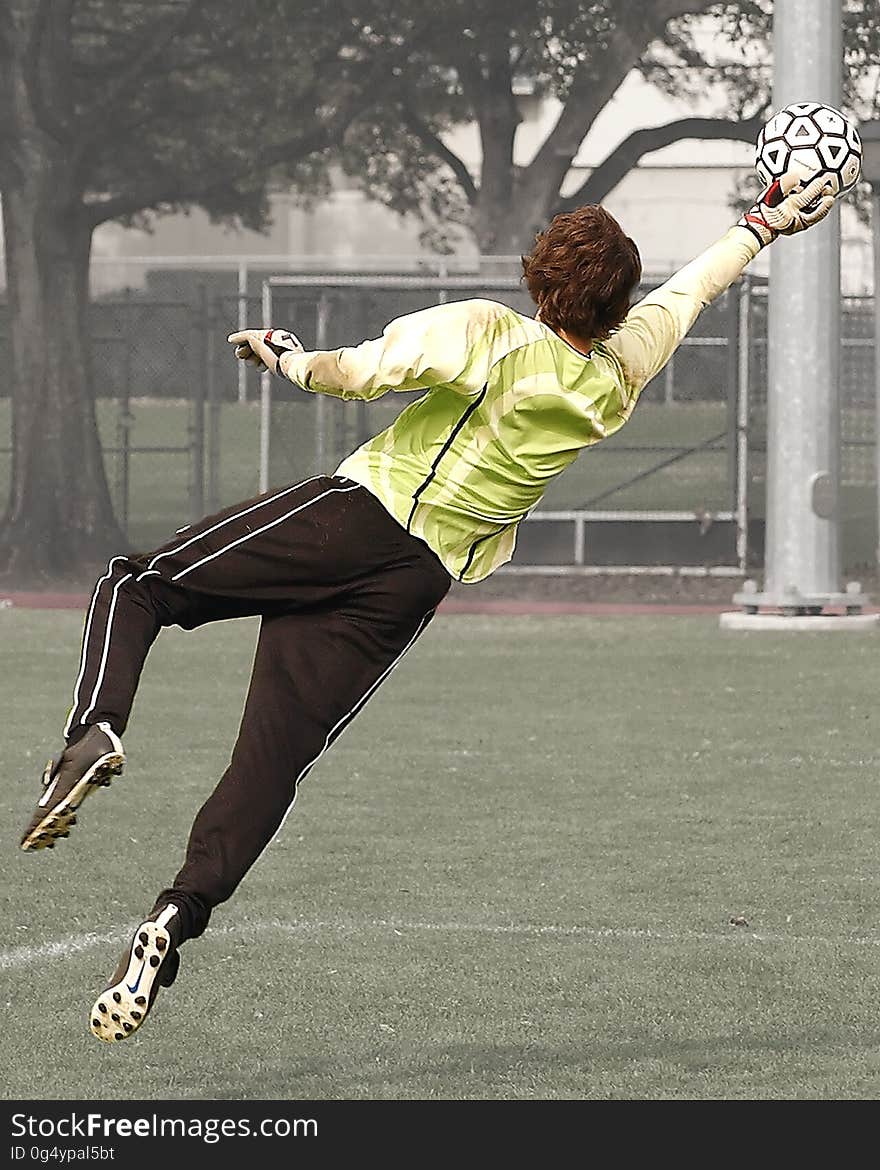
[[810, 136]]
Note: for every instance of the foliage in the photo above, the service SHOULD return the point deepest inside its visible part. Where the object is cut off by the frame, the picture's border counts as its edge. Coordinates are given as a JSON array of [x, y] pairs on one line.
[[482, 57], [180, 101]]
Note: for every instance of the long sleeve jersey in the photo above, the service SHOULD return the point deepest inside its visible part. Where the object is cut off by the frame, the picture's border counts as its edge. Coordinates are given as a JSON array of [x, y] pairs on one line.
[[509, 404]]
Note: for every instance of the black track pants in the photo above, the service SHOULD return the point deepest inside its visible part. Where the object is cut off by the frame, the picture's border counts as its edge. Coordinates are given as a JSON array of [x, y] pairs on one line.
[[343, 592]]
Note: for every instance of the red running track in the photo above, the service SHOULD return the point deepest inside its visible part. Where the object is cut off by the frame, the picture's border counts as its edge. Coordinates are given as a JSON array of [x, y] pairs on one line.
[[503, 607]]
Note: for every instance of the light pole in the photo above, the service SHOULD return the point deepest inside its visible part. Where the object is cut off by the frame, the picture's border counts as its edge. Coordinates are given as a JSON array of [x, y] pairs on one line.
[[801, 546], [801, 556], [870, 134]]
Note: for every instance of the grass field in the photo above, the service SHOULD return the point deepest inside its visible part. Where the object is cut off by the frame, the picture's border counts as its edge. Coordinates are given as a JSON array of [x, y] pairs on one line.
[[513, 877]]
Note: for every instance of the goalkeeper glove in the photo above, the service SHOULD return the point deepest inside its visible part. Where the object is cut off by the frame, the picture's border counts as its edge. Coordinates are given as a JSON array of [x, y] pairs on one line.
[[264, 348], [791, 203]]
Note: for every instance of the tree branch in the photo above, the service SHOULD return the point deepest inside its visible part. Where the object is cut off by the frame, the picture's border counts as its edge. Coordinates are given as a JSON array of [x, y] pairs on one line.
[[120, 206], [662, 11], [168, 192], [52, 120], [379, 79], [372, 83], [590, 92], [623, 158], [116, 93], [320, 136], [437, 146], [470, 77], [156, 70]]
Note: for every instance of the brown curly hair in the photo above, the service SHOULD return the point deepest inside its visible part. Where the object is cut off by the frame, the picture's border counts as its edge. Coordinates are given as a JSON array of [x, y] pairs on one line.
[[582, 272]]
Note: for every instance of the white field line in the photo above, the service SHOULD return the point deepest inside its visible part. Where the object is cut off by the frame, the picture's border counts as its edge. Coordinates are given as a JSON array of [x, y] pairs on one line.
[[24, 956], [59, 949]]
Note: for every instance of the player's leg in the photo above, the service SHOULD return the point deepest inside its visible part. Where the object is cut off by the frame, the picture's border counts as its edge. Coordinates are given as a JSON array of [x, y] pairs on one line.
[[220, 567], [122, 622], [224, 566], [312, 674], [310, 680]]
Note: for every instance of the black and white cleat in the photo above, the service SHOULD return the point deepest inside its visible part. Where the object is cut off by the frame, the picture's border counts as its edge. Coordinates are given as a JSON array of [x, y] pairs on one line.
[[81, 769], [150, 961]]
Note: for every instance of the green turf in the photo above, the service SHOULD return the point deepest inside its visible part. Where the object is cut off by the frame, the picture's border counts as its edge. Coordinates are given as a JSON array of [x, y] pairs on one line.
[[513, 877]]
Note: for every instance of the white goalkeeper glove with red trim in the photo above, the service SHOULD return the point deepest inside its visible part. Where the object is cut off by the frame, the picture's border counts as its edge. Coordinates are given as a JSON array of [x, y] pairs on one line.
[[792, 203], [264, 348]]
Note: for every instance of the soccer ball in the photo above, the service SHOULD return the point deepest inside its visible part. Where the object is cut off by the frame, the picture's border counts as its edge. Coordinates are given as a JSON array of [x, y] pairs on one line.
[[811, 137]]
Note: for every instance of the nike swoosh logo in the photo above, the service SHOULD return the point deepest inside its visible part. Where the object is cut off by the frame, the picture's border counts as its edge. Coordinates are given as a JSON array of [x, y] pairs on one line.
[[47, 795], [134, 986]]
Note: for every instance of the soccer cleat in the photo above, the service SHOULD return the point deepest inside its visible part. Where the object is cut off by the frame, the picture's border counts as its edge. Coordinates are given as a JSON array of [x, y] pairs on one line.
[[83, 767], [150, 961]]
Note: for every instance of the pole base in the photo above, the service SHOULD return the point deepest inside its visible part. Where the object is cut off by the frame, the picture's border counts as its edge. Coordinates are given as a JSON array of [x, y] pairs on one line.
[[791, 603], [767, 622]]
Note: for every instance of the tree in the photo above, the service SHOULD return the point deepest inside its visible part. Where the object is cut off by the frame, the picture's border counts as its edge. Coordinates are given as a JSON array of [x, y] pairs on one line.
[[579, 53], [115, 109]]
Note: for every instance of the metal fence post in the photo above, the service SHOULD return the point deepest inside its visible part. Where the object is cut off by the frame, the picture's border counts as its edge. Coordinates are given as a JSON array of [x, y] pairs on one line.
[[242, 324], [669, 382], [197, 409], [265, 395], [731, 384], [743, 347], [212, 433], [322, 404], [123, 424]]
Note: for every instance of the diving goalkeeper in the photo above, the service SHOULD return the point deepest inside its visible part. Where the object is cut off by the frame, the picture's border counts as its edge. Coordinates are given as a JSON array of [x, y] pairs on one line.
[[347, 570]]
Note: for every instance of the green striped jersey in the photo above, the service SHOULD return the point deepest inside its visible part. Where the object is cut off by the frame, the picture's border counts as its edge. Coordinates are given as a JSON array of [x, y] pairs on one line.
[[508, 405]]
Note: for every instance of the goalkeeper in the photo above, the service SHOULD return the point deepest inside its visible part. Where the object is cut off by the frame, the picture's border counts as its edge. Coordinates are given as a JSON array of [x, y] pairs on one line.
[[346, 570]]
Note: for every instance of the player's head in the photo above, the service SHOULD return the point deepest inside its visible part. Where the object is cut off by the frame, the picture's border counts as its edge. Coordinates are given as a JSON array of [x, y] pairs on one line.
[[582, 272]]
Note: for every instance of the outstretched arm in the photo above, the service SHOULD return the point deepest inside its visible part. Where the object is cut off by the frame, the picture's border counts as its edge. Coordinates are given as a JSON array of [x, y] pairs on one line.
[[428, 348], [653, 329]]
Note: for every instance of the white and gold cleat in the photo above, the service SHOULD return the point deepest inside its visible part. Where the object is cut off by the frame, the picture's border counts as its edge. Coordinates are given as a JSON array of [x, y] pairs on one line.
[[150, 961]]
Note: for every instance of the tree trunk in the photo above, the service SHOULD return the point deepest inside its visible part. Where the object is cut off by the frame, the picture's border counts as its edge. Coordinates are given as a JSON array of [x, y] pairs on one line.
[[513, 206], [498, 120], [513, 229], [60, 520], [487, 78]]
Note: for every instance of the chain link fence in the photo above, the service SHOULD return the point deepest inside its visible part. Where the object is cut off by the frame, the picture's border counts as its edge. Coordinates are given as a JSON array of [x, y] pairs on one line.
[[188, 430], [857, 420]]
